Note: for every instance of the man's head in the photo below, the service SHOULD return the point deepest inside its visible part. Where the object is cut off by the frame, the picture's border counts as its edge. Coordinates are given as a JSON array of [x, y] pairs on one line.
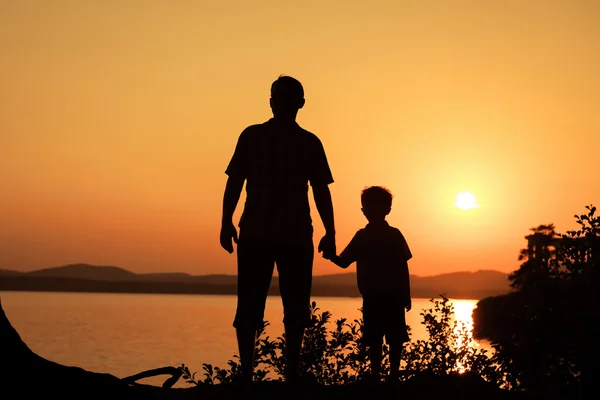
[[376, 203], [287, 96]]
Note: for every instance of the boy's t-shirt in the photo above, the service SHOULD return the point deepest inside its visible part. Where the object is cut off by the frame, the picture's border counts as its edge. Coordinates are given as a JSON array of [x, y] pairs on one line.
[[381, 255]]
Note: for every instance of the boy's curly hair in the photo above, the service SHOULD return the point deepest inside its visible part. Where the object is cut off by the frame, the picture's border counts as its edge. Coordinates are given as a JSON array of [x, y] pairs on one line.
[[376, 197]]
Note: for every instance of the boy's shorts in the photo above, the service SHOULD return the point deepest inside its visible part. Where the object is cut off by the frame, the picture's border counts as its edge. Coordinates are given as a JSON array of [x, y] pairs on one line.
[[383, 316]]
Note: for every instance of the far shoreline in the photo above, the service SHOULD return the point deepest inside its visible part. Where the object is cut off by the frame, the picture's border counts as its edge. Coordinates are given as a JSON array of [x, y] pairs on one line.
[[86, 278], [210, 294]]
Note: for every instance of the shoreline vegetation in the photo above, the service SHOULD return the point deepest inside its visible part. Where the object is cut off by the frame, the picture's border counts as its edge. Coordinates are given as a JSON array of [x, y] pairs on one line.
[[432, 369], [99, 279], [547, 330]]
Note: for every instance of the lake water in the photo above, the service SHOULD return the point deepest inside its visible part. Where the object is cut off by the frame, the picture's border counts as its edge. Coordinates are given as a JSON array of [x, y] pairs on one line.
[[123, 334]]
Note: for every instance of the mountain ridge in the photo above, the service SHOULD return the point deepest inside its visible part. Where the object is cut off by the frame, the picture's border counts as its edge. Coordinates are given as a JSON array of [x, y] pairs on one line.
[[86, 277]]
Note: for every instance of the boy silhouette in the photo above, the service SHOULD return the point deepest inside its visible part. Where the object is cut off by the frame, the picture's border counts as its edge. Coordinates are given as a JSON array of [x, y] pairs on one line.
[[381, 255]]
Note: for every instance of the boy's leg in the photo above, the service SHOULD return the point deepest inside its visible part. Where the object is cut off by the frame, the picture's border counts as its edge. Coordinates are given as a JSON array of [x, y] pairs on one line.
[[373, 333], [294, 264], [395, 335], [255, 270]]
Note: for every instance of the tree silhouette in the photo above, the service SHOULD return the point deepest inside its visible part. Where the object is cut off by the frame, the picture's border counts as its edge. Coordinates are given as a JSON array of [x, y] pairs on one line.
[[547, 333], [536, 257]]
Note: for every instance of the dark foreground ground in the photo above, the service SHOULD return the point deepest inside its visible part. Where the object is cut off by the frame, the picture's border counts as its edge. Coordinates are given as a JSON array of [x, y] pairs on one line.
[[26, 375], [419, 389]]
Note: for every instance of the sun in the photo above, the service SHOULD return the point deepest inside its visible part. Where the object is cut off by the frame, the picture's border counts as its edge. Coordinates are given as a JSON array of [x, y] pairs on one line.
[[465, 201]]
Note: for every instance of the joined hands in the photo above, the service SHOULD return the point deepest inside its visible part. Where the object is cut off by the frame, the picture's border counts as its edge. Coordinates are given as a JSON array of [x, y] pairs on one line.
[[327, 246]]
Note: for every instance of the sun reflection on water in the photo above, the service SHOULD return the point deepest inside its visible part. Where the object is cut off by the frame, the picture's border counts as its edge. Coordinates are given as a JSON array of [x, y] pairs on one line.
[[463, 314]]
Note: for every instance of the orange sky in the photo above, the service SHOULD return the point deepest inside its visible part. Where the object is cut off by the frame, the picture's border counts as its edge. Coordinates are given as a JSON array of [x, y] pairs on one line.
[[118, 119]]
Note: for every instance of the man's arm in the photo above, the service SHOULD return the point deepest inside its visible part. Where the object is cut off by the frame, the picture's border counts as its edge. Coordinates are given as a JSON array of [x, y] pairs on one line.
[[233, 190], [231, 197], [324, 204], [319, 176], [237, 172]]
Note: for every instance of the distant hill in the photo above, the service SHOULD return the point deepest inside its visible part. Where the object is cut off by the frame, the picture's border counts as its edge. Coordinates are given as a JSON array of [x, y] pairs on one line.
[[8, 272], [85, 271], [91, 278], [461, 281], [346, 278]]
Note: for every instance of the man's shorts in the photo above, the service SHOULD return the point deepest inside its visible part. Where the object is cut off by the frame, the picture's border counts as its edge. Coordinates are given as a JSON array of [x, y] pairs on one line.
[[384, 316], [256, 261]]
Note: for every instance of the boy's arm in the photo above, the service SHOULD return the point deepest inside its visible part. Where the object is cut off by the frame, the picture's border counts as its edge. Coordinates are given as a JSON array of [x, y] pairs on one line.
[[407, 301], [340, 261], [349, 255], [405, 255]]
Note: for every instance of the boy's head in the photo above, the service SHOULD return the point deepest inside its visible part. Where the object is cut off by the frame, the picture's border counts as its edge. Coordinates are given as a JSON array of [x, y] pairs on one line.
[[376, 203]]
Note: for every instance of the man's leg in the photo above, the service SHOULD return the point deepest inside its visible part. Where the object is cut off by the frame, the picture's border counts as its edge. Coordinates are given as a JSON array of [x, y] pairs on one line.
[[294, 264], [396, 348], [246, 338], [375, 354], [294, 336], [255, 270]]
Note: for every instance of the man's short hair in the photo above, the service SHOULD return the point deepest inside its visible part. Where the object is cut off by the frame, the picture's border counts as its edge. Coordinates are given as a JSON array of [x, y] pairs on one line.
[[288, 87], [376, 197]]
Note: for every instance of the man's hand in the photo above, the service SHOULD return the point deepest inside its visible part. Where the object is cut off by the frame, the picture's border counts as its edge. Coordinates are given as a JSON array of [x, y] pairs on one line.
[[228, 234], [327, 246]]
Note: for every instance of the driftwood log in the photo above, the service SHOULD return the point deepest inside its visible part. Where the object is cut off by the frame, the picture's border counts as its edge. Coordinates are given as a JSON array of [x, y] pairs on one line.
[[26, 375]]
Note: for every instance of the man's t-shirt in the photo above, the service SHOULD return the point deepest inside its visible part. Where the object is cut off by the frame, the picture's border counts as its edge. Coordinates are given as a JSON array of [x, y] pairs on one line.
[[381, 255], [278, 161]]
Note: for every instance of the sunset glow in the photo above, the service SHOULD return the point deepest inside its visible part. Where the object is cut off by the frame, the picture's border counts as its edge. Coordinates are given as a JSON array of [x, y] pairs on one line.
[[118, 120]]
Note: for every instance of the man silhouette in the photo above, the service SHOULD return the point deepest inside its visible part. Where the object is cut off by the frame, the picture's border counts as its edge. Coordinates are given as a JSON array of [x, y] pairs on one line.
[[277, 159]]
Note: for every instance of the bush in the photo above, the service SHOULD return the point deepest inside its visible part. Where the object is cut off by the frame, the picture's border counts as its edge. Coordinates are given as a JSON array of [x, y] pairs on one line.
[[337, 356]]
